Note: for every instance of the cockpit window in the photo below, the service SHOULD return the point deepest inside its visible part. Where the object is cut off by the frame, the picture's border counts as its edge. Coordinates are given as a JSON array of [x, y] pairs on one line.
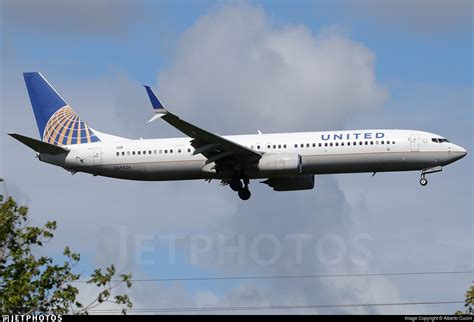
[[439, 140]]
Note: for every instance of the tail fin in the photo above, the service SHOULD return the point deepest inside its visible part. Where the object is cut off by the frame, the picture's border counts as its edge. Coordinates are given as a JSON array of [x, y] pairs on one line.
[[58, 123]]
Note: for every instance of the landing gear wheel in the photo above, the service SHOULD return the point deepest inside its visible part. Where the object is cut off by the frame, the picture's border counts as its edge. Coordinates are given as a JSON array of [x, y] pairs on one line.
[[423, 181], [236, 185], [244, 194]]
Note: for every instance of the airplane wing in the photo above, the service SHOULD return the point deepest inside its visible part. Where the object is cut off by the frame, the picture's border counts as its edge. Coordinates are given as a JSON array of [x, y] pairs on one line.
[[214, 147]]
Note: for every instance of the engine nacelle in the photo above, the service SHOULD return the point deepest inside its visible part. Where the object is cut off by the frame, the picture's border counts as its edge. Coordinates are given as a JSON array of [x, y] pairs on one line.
[[303, 182], [280, 163]]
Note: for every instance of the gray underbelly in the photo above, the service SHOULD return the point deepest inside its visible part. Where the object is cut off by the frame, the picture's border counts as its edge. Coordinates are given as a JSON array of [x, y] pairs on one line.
[[367, 162]]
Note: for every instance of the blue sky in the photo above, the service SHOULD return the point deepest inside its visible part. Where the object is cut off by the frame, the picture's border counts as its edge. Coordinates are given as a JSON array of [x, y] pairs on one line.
[[413, 58]]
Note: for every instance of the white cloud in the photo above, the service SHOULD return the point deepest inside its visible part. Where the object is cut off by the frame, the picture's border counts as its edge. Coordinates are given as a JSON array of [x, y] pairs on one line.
[[235, 65], [235, 69]]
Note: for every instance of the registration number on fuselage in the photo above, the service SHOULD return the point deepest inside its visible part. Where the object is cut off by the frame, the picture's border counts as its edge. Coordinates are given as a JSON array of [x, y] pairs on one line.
[[122, 167]]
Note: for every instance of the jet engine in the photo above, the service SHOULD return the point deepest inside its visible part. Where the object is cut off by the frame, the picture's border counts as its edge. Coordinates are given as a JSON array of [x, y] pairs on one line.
[[280, 163]]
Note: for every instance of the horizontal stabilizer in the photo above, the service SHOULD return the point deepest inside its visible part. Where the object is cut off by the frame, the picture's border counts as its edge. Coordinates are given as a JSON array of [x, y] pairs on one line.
[[39, 146]]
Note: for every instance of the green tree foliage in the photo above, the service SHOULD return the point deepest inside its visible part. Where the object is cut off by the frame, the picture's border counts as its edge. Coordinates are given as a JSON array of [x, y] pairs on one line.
[[31, 284], [469, 303]]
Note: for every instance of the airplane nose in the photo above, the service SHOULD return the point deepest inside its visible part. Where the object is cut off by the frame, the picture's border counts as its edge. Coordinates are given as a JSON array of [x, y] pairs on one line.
[[459, 152]]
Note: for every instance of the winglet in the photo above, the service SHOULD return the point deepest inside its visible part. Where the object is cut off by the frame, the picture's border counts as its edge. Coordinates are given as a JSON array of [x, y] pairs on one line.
[[155, 103], [155, 117]]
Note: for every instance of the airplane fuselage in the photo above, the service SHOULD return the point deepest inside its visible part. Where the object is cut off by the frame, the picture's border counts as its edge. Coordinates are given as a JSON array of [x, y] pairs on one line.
[[287, 161], [321, 153]]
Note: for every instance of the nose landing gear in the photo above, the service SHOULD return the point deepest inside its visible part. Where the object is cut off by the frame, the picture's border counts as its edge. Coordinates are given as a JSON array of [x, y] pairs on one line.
[[423, 180], [424, 172]]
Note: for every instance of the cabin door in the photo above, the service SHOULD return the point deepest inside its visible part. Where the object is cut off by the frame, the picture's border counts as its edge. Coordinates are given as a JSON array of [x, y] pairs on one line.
[[97, 156], [414, 142]]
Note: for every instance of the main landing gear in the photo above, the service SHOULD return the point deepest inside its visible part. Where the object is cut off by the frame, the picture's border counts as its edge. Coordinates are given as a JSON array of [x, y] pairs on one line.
[[242, 188], [244, 193], [424, 172]]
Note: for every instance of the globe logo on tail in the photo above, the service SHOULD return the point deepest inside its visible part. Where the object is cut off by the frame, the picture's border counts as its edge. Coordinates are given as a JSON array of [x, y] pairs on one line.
[[65, 127]]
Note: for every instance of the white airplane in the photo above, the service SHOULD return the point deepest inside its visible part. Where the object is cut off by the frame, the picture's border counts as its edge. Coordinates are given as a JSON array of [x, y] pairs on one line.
[[287, 161]]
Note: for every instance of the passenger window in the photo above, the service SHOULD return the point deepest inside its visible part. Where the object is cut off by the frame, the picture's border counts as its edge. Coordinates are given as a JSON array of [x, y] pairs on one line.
[[133, 152], [128, 152], [161, 151], [179, 150], [330, 144], [319, 144], [393, 142], [274, 146], [139, 152], [388, 142], [382, 142], [166, 151], [302, 145], [269, 146], [284, 146], [123, 153], [307, 145], [371, 142], [118, 153], [366, 143], [154, 151], [354, 143], [326, 144], [342, 143], [189, 150], [258, 147], [149, 152], [360, 142], [377, 142], [337, 144], [171, 150], [144, 152]]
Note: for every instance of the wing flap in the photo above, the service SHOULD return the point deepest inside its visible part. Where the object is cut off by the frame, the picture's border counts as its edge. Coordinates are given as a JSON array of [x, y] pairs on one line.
[[208, 138]]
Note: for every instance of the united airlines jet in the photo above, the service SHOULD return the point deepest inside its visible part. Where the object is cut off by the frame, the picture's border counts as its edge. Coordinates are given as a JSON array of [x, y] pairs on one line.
[[285, 161]]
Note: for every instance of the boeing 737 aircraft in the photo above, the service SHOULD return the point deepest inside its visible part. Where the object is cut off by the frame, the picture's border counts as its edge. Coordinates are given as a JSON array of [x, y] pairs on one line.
[[286, 161]]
